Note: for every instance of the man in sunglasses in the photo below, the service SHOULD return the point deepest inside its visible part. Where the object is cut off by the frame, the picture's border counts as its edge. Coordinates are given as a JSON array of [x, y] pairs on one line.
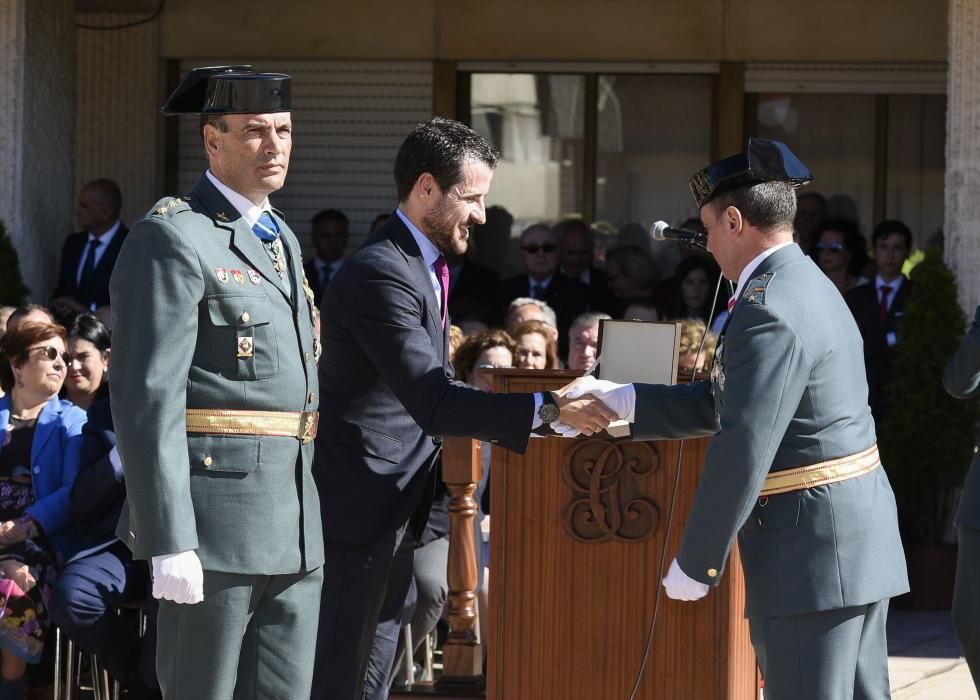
[[214, 395], [542, 279]]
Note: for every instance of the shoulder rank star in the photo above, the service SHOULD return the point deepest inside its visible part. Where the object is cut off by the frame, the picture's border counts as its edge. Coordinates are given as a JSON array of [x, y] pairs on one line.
[[221, 216]]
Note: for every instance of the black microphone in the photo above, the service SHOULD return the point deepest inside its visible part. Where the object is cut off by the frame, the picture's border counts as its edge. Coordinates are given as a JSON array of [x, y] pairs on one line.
[[662, 231]]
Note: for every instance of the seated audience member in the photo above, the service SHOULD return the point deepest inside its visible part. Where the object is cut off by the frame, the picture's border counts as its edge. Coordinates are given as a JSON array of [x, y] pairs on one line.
[[39, 459], [689, 360], [471, 316], [641, 312], [88, 346], [29, 313], [378, 222], [426, 599], [329, 230], [576, 246], [103, 575], [879, 306], [583, 341], [633, 277], [839, 252], [543, 280], [472, 288], [490, 242], [88, 256], [536, 346], [527, 309], [693, 290], [811, 209], [456, 337]]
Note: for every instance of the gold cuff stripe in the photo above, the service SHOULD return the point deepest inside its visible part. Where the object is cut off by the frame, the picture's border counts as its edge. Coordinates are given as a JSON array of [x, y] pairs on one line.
[[297, 424], [829, 472]]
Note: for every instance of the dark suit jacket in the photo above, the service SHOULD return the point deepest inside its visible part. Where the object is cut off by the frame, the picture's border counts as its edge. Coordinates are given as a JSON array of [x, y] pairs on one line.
[[864, 305], [387, 393], [962, 380], [71, 256], [475, 288], [566, 296], [98, 493]]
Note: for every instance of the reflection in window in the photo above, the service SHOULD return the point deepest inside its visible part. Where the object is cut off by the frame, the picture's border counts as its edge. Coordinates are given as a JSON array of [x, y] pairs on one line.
[[654, 132], [916, 162], [834, 135], [537, 123]]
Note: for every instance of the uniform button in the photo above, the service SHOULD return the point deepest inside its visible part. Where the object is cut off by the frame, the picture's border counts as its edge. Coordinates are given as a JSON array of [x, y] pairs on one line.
[[245, 317], [311, 397], [976, 449], [306, 356], [207, 461], [712, 572], [132, 534]]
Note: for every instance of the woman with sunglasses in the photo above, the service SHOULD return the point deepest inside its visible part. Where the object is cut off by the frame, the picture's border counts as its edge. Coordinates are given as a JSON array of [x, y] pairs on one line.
[[840, 252], [39, 458]]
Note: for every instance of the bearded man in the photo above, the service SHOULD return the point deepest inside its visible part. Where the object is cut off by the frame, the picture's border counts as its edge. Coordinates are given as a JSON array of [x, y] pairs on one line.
[[388, 398]]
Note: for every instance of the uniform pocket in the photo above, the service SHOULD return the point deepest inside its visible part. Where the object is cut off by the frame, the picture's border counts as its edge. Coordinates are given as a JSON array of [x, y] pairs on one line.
[[241, 335], [776, 512], [231, 454]]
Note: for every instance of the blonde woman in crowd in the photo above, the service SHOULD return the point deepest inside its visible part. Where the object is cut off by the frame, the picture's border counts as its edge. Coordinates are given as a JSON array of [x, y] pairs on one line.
[[689, 360]]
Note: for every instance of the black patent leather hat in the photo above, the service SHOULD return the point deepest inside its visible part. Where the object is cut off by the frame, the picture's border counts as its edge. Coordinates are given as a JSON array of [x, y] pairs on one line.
[[230, 90], [762, 161]]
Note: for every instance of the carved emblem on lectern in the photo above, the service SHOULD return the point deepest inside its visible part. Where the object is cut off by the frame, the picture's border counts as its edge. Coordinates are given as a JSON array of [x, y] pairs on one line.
[[609, 481]]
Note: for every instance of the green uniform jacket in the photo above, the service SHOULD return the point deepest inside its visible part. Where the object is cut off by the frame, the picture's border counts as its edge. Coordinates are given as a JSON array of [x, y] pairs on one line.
[[962, 380], [788, 390], [202, 320]]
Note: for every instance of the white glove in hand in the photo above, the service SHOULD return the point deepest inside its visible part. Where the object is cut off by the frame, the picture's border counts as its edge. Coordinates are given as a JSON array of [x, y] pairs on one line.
[[178, 577], [680, 586], [621, 398], [565, 430]]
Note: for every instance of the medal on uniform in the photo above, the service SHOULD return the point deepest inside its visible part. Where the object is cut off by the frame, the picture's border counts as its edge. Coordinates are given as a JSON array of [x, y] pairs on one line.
[[254, 277], [221, 274], [278, 258], [317, 349], [718, 368], [246, 346], [239, 277]]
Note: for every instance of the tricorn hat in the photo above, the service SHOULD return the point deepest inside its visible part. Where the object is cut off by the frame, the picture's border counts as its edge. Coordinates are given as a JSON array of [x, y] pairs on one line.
[[763, 161], [230, 90]]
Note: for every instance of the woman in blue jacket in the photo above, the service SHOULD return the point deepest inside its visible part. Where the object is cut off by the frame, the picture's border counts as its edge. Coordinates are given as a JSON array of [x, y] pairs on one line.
[[40, 443]]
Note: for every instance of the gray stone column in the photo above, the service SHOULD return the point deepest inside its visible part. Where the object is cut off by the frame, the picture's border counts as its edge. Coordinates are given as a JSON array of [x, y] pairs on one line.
[[962, 227], [37, 110]]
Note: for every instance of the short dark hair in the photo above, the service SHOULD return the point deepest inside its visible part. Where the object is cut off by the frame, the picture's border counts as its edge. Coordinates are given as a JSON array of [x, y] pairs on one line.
[[88, 327], [854, 242], [110, 192], [440, 147], [215, 120], [767, 205], [14, 345], [890, 226], [331, 215], [573, 224], [24, 310]]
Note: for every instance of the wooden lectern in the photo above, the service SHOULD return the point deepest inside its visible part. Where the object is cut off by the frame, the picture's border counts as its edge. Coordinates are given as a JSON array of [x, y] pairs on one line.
[[576, 536]]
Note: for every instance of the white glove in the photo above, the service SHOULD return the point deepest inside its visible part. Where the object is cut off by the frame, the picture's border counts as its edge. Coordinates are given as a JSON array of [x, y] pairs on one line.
[[680, 586], [621, 398], [178, 577], [565, 430]]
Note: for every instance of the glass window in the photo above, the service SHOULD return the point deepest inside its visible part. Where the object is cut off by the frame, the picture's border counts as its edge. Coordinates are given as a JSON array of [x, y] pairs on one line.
[[537, 122], [916, 163], [834, 135], [654, 132]]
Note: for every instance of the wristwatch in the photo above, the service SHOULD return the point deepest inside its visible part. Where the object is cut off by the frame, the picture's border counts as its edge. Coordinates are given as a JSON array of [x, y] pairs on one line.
[[549, 411]]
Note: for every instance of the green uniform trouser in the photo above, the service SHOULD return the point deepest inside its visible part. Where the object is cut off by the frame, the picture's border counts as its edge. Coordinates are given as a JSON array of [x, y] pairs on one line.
[[966, 598], [840, 654], [252, 638]]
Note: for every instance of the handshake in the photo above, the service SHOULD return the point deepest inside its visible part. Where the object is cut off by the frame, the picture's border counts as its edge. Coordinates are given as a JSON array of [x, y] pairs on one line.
[[589, 405]]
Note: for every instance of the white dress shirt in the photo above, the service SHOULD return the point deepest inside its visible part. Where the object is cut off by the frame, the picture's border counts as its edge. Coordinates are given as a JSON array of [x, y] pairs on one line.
[[105, 239], [249, 211]]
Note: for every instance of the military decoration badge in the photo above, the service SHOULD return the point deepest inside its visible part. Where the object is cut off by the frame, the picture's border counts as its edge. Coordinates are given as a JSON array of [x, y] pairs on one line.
[[246, 346], [718, 368], [239, 277], [221, 274], [254, 277]]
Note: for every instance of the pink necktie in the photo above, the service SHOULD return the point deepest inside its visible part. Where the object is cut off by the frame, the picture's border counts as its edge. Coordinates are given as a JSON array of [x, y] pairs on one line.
[[442, 270], [731, 303]]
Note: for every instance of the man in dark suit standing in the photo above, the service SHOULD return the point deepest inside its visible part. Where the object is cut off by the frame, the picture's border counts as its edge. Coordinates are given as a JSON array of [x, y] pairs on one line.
[[388, 397], [575, 247], [330, 232], [88, 256], [543, 280], [878, 307]]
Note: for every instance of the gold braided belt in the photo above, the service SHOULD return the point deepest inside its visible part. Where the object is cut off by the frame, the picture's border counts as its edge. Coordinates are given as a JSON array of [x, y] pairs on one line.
[[298, 424], [829, 472]]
